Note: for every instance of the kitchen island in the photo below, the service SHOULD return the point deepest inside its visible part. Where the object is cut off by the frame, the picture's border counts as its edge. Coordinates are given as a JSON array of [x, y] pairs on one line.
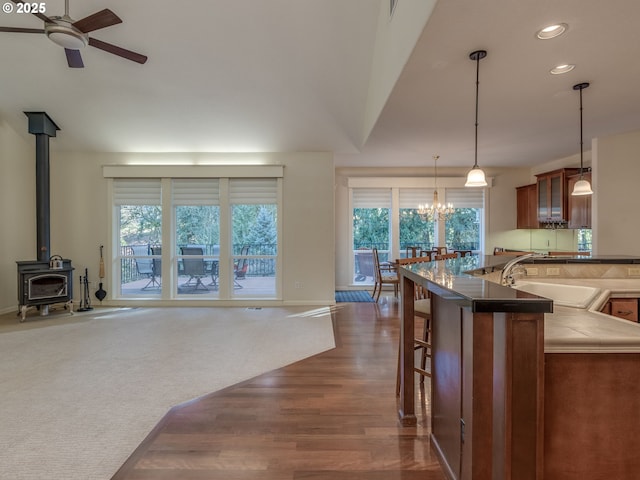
[[522, 388]]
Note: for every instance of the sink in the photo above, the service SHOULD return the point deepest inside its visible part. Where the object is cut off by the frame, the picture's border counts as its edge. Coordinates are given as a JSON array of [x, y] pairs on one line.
[[575, 296]]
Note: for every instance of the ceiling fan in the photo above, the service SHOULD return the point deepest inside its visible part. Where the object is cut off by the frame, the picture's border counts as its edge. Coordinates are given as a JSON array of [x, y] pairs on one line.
[[73, 35]]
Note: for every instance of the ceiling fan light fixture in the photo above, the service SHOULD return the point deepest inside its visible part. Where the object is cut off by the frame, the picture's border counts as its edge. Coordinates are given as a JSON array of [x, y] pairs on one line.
[[67, 36], [552, 31], [561, 69]]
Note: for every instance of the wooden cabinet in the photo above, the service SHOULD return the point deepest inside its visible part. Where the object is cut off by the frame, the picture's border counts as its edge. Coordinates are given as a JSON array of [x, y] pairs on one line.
[[626, 308], [552, 195], [579, 207], [527, 206]]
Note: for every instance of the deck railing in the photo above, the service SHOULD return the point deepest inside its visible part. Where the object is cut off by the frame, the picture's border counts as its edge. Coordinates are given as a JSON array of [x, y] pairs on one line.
[[258, 267]]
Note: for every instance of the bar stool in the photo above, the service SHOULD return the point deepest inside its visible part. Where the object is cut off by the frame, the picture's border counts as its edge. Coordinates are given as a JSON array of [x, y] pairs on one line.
[[422, 309]]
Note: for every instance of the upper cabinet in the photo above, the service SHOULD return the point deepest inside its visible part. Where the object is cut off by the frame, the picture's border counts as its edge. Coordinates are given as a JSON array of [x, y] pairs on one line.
[[552, 195], [579, 207], [527, 205]]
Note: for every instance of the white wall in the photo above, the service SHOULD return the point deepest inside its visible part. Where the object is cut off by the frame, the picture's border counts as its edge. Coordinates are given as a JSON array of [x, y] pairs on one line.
[[616, 172], [395, 40], [80, 213], [17, 212]]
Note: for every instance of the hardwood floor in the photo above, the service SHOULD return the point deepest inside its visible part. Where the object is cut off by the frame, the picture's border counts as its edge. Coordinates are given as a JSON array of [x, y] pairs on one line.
[[332, 416]]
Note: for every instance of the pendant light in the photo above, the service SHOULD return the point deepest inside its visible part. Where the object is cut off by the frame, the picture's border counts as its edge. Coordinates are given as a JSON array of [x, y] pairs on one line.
[[582, 186], [475, 177]]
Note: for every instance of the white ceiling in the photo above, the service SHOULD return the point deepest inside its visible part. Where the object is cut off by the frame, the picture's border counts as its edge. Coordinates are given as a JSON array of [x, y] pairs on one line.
[[292, 75]]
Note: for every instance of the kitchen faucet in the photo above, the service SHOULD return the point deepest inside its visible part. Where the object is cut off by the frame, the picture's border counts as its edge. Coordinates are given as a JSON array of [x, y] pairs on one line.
[[506, 276]]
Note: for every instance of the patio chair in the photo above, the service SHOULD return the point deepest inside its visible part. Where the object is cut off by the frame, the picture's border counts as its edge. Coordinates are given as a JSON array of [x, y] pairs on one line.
[[194, 267], [364, 265], [240, 267], [157, 264], [385, 274], [213, 265], [145, 266]]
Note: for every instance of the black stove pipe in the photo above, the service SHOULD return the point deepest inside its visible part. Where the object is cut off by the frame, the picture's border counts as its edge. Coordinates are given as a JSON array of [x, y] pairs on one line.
[[41, 125]]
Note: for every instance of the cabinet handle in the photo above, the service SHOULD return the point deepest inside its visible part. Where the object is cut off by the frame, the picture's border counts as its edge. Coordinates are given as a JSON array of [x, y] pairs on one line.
[[627, 312]]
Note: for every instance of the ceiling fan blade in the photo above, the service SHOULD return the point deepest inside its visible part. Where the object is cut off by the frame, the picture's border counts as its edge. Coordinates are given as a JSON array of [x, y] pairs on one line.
[[21, 30], [121, 52], [74, 59], [41, 16], [101, 19]]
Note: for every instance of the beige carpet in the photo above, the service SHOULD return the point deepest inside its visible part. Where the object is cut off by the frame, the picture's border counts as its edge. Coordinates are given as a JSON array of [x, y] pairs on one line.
[[79, 393]]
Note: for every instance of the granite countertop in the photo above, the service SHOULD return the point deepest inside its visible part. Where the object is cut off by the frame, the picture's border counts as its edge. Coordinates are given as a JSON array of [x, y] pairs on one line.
[[567, 329], [459, 280]]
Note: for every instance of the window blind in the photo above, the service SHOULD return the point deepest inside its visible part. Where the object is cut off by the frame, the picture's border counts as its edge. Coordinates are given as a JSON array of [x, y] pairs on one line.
[[137, 191], [371, 197], [195, 191], [253, 191], [465, 197], [412, 197]]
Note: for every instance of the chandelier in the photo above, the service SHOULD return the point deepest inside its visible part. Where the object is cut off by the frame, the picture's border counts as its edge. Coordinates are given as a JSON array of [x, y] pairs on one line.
[[436, 210]]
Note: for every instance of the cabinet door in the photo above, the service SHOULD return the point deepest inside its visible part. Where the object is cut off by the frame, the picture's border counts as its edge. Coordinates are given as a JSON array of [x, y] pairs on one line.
[[527, 206], [579, 206], [556, 194], [543, 204], [552, 195], [626, 308]]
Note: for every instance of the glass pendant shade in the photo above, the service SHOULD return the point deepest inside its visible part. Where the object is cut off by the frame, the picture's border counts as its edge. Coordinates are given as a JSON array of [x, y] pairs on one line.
[[476, 178], [582, 187]]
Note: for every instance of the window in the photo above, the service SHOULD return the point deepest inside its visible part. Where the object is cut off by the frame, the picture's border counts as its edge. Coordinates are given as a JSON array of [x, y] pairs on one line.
[[584, 239], [415, 230], [222, 240], [385, 217], [138, 213], [371, 228], [254, 220], [197, 233], [463, 228]]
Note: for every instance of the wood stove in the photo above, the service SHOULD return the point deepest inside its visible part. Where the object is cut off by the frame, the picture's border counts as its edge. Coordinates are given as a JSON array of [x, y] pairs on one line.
[[40, 282], [39, 285]]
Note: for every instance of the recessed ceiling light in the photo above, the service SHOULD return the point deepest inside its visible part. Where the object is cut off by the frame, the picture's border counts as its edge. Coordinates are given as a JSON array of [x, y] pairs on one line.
[[560, 69], [552, 31]]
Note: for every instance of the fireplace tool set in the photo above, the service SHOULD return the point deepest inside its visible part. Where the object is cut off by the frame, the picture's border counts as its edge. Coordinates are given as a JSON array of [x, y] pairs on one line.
[[85, 301]]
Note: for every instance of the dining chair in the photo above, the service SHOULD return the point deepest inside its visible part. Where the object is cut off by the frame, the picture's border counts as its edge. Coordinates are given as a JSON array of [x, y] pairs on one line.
[[194, 267], [412, 252], [385, 274], [446, 256], [439, 250]]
